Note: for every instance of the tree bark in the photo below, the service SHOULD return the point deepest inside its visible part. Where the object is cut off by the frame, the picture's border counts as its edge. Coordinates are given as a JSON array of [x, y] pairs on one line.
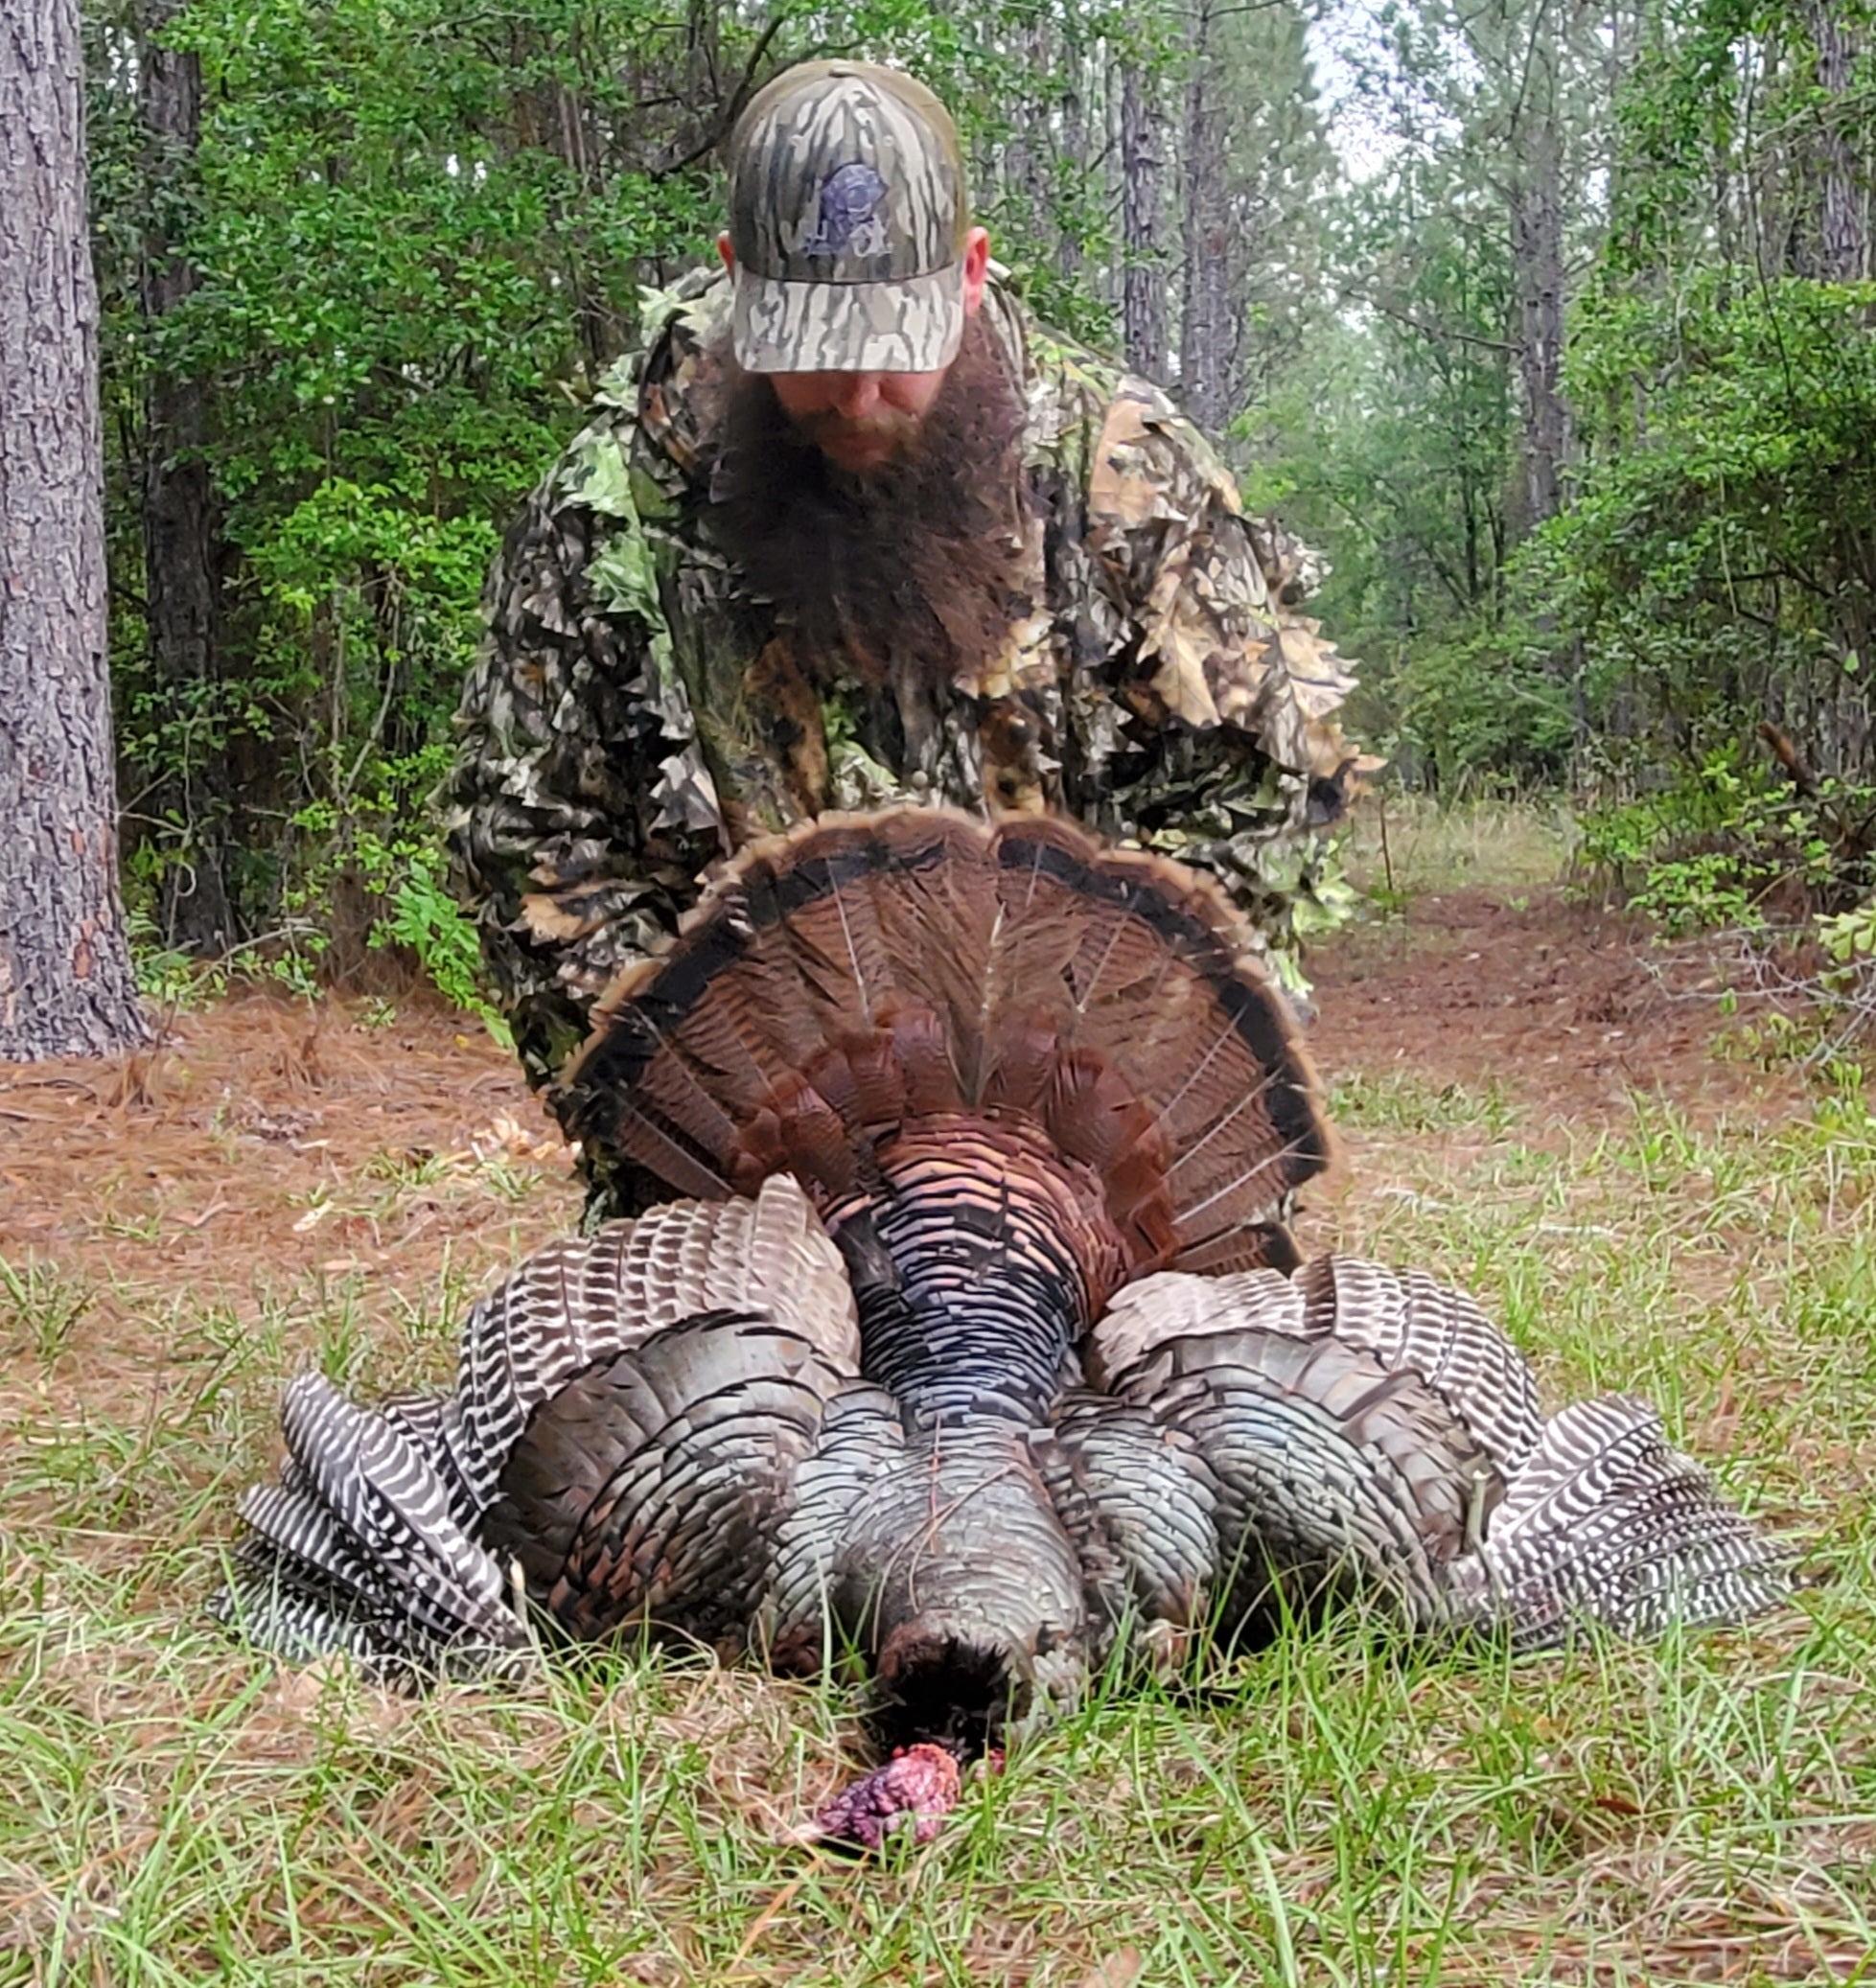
[[1143, 209], [1537, 245], [1025, 162], [185, 558], [66, 985], [1207, 337], [66, 981], [1842, 237]]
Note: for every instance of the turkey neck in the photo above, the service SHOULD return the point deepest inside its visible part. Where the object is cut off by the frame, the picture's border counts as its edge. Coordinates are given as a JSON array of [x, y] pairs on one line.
[[979, 1261]]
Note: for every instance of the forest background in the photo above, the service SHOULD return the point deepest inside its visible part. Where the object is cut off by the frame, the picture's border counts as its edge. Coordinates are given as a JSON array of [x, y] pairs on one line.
[[1555, 330], [1550, 323]]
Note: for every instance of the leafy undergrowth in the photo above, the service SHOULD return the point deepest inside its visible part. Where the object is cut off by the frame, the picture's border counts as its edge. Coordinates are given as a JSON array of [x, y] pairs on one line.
[[1330, 1811]]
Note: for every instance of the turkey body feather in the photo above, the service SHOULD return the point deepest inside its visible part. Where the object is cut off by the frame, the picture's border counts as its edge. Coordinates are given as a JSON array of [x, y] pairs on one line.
[[977, 1347]]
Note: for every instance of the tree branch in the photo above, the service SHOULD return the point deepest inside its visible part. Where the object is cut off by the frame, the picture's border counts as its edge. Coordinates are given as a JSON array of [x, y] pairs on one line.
[[724, 122], [1438, 334]]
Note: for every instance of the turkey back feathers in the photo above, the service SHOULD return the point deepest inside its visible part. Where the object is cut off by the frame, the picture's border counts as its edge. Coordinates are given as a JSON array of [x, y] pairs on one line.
[[869, 971]]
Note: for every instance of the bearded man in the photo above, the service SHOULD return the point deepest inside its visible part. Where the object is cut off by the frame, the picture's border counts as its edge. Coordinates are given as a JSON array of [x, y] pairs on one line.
[[851, 529]]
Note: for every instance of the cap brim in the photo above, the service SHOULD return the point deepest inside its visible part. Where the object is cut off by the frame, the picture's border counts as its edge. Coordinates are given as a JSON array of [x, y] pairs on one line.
[[911, 324]]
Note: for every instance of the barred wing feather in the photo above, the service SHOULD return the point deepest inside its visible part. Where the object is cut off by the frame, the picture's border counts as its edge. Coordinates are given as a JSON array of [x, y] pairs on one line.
[[1607, 1523]]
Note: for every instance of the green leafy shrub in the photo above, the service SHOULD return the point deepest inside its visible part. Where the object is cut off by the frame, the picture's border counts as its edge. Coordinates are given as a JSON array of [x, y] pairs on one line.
[[1732, 842], [426, 918], [377, 862], [370, 870], [1479, 703]]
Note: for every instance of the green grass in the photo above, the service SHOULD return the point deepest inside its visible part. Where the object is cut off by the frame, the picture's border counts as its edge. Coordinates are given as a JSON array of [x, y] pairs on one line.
[[1402, 1100], [1408, 844], [38, 1309], [1331, 1810]]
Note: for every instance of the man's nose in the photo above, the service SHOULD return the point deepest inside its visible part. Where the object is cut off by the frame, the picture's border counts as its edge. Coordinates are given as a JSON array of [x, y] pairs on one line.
[[856, 395]]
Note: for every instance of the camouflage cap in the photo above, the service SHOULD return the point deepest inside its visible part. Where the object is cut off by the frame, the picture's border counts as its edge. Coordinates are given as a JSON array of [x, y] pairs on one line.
[[848, 217]]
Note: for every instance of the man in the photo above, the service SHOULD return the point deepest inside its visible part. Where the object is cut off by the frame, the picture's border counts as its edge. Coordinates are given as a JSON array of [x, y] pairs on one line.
[[851, 529]]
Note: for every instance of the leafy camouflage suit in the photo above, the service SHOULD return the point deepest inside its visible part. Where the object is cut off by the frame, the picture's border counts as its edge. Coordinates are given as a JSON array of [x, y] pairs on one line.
[[636, 715]]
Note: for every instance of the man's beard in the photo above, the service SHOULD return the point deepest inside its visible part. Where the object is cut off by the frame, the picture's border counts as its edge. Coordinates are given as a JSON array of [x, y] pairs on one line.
[[910, 572]]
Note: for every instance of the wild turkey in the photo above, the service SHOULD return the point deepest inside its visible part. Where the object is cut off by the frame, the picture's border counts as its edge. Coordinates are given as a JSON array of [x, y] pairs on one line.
[[976, 1348]]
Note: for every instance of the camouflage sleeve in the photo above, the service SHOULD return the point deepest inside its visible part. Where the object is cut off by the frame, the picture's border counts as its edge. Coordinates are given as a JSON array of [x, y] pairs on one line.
[[565, 849], [1232, 693]]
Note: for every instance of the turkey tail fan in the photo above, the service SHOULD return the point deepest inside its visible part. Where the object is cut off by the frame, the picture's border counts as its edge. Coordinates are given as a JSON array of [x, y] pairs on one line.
[[1148, 980], [868, 969], [701, 1067], [1606, 1523], [362, 1547]]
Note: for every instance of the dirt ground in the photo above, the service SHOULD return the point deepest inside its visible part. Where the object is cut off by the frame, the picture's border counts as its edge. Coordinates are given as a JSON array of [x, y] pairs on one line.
[[245, 1144], [1569, 1009], [263, 1145]]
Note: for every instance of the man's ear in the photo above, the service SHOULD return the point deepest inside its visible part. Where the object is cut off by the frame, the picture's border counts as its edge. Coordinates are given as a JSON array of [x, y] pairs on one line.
[[977, 263], [724, 249]]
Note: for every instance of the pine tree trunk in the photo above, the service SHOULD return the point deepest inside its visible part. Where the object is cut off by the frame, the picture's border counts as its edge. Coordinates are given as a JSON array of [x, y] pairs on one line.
[[1206, 338], [1026, 189], [1844, 243], [65, 981], [1142, 208], [1537, 244], [184, 555]]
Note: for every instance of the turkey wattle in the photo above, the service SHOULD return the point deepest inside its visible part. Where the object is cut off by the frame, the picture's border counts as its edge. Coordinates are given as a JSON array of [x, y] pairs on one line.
[[978, 1349]]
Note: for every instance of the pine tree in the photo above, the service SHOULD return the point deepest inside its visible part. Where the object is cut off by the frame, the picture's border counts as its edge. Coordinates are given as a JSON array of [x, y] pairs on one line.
[[65, 980]]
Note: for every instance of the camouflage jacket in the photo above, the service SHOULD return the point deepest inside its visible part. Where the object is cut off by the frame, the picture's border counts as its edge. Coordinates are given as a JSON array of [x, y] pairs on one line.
[[631, 716]]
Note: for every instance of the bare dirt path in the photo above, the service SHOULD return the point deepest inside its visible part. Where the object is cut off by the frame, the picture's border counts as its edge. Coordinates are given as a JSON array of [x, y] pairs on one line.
[[267, 1141], [1569, 1010]]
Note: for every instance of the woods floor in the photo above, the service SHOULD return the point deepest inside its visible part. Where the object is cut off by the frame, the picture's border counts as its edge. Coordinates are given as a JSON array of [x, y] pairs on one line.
[[1535, 1104]]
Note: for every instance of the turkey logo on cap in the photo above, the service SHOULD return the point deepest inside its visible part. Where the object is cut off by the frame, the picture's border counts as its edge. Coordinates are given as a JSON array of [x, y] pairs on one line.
[[848, 216]]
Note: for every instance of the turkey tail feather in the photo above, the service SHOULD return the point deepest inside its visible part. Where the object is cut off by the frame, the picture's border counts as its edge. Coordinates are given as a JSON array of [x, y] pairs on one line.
[[868, 969]]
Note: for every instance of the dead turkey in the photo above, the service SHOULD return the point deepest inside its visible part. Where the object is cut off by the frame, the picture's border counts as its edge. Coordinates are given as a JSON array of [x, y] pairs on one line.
[[978, 1347]]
